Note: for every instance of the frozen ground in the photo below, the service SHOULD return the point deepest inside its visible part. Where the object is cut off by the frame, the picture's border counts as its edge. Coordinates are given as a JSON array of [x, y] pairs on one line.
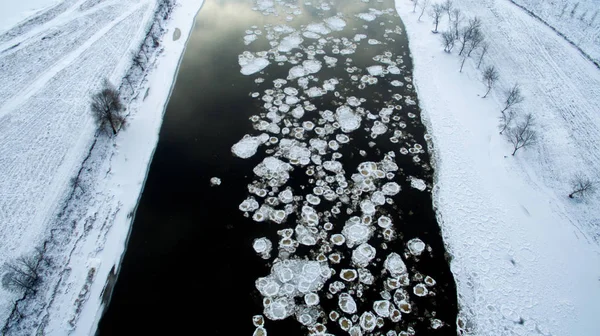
[[525, 256], [12, 12], [578, 20], [50, 65]]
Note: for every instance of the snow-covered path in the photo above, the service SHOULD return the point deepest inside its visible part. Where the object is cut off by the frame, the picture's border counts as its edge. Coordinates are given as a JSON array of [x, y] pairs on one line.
[[524, 255]]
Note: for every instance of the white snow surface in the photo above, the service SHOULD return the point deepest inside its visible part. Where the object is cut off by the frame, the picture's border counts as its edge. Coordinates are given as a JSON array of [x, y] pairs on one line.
[[47, 131], [521, 249], [13, 12], [577, 20]]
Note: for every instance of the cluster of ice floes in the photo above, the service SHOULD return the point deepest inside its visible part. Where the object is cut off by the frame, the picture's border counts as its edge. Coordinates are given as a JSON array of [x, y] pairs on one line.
[[335, 224]]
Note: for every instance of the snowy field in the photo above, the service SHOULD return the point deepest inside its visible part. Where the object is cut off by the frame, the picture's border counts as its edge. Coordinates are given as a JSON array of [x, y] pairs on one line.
[[51, 63], [525, 256], [577, 20]]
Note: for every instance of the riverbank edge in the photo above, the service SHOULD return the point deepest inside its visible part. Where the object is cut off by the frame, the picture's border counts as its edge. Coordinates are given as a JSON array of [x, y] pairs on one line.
[[135, 150], [499, 227]]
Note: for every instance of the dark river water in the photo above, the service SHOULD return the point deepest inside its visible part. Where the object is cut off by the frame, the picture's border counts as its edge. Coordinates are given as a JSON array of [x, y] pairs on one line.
[[190, 267]]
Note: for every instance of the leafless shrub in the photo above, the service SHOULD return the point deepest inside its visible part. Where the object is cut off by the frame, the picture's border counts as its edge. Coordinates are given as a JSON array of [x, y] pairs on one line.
[[582, 186], [106, 108], [522, 135], [513, 97], [490, 77]]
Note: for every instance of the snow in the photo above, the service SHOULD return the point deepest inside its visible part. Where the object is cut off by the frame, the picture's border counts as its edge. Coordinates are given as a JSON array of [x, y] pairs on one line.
[[579, 21], [47, 132], [513, 234], [12, 12]]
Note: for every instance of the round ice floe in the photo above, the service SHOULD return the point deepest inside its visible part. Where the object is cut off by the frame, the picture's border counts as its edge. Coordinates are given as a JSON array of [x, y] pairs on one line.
[[429, 281], [311, 35], [310, 216], [338, 239], [420, 290], [258, 321], [330, 61], [363, 254], [345, 324], [286, 196], [279, 308], [342, 138], [333, 166], [378, 128], [356, 232], [395, 316], [378, 198], [268, 287], [348, 274], [318, 28], [384, 222], [375, 70], [390, 188], [394, 264], [353, 101], [290, 42], [382, 308], [262, 245], [311, 299], [418, 183], [260, 331], [368, 321], [248, 146], [436, 323], [346, 303], [348, 119], [249, 205], [416, 246], [312, 199], [366, 16], [215, 181], [251, 64], [274, 170], [335, 23], [367, 207], [277, 216]]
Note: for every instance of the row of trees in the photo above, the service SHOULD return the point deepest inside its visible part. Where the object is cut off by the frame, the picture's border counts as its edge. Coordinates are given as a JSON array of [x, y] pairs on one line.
[[106, 105], [466, 35]]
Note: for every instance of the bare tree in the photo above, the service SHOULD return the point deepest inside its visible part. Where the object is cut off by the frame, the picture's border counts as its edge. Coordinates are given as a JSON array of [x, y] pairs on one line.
[[106, 107], [138, 61], [490, 77], [23, 273], [475, 41], [513, 97], [436, 14], [466, 33], [582, 186], [416, 3], [522, 135], [448, 41], [424, 4], [574, 10], [447, 7], [506, 120], [462, 62], [484, 50], [456, 21]]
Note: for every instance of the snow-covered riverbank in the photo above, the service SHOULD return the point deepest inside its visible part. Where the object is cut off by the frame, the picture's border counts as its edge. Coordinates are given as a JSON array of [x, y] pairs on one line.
[[47, 134], [524, 255]]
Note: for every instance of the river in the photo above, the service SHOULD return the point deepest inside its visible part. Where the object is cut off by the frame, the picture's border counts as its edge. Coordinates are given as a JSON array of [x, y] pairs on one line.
[[343, 137]]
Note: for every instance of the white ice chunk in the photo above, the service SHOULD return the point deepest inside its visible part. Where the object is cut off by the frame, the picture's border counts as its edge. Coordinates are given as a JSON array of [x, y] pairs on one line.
[[248, 146], [348, 119], [394, 264]]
